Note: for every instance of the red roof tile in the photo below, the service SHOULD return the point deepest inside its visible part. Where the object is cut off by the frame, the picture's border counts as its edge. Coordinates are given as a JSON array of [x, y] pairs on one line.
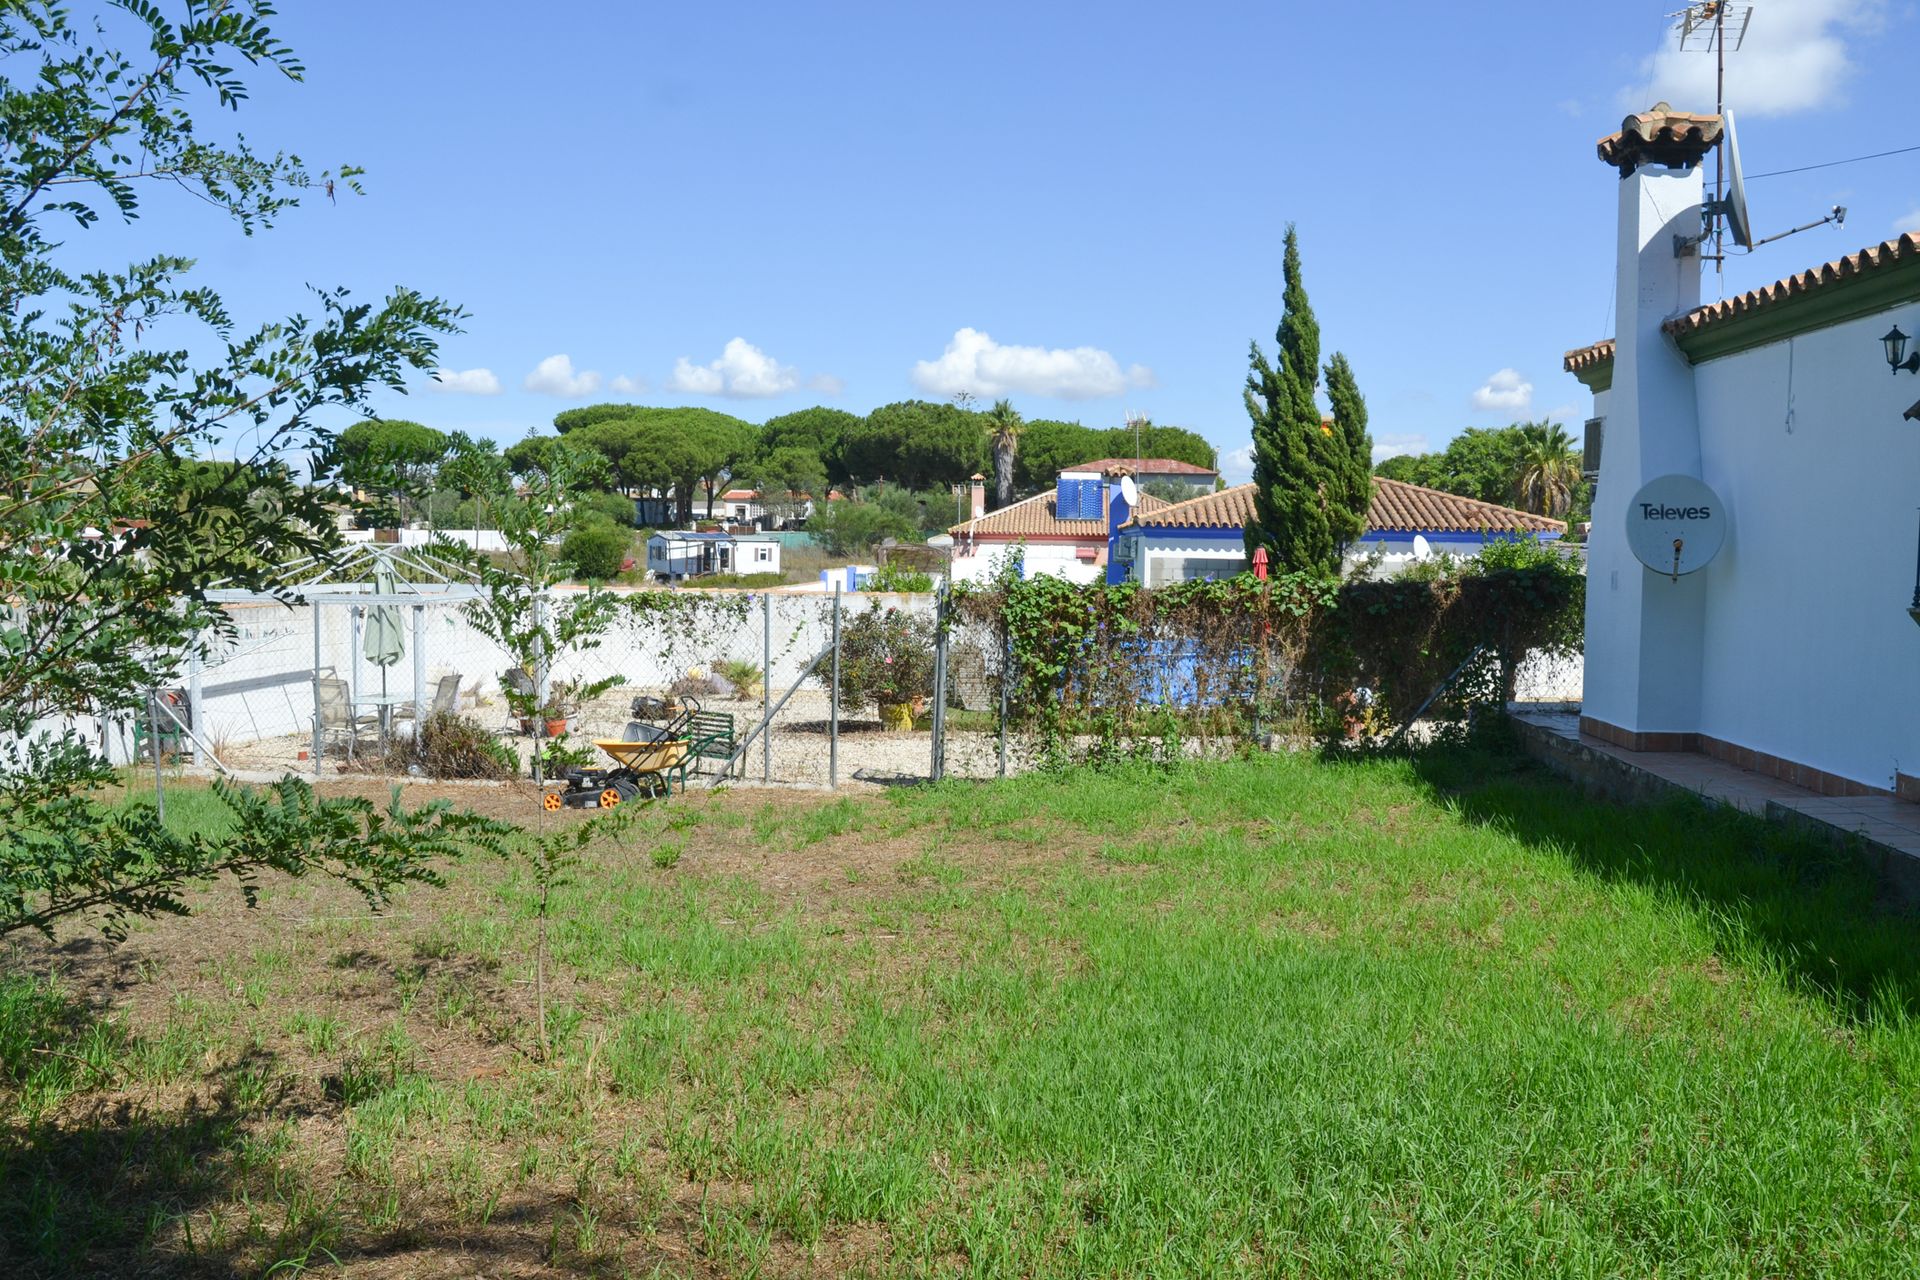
[[1397, 507], [1033, 517], [1842, 271], [1144, 466], [1661, 135], [1584, 358]]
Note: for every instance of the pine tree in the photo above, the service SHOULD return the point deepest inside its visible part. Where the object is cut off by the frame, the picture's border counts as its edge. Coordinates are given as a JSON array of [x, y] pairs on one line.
[[1291, 476], [1351, 461]]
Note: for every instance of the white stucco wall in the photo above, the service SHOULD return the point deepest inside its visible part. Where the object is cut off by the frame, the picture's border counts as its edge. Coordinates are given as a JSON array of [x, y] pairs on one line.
[[1808, 652], [976, 563]]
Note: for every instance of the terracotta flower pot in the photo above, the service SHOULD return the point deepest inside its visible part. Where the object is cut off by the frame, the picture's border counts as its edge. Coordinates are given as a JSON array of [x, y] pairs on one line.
[[896, 717], [556, 727]]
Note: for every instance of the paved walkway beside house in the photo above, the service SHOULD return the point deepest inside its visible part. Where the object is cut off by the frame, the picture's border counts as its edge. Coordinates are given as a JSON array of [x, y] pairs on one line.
[[1889, 828]]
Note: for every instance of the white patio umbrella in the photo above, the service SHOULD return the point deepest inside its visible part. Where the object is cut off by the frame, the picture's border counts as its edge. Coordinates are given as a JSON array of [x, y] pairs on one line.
[[386, 639]]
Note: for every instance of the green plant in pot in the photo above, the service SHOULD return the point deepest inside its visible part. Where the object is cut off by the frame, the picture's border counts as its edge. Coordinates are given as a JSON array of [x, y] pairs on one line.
[[886, 662]]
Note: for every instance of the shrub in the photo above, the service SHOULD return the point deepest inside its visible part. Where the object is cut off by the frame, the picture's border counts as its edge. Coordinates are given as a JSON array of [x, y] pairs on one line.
[[899, 577], [886, 656], [449, 745], [597, 549], [599, 503]]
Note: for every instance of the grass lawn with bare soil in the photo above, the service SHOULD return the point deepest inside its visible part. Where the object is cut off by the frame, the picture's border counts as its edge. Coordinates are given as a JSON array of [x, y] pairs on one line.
[[1265, 1017]]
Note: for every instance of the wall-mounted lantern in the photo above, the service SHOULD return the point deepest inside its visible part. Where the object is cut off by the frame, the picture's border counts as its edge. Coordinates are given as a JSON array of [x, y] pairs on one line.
[[1897, 357]]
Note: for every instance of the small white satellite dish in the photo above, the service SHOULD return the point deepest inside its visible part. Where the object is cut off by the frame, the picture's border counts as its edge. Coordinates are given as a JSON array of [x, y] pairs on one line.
[[1735, 208], [1422, 549], [1129, 492], [1675, 524]]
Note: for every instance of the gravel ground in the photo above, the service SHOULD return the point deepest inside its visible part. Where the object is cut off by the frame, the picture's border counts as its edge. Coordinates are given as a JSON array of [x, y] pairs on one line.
[[869, 756]]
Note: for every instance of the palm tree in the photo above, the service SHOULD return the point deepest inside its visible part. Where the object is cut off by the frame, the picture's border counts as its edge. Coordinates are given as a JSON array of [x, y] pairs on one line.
[[1004, 421], [1547, 469]]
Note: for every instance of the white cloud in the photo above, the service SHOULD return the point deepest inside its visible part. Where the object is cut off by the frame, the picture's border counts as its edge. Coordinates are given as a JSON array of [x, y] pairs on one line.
[[743, 372], [1505, 392], [974, 362], [623, 385], [465, 382], [1236, 465], [1909, 223], [554, 376], [1385, 447], [1794, 58]]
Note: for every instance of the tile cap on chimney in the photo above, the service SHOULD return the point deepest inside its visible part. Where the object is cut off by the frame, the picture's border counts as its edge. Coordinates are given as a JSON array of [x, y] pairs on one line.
[[1660, 135]]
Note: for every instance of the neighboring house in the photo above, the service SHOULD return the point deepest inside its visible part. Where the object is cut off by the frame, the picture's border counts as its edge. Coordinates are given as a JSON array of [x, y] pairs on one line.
[[1791, 651], [744, 506], [675, 555], [1206, 537], [1063, 532], [1154, 471]]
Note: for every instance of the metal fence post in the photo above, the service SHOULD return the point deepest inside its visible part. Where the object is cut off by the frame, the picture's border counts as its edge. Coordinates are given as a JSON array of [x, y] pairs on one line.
[[939, 761], [766, 689], [318, 735], [153, 743], [1006, 664], [833, 701]]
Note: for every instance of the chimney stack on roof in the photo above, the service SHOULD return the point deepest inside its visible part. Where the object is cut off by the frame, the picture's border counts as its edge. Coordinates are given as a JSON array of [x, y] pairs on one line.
[[1660, 135], [978, 487]]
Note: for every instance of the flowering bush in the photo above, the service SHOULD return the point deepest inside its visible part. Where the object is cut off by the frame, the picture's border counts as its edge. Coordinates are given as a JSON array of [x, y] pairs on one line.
[[886, 657]]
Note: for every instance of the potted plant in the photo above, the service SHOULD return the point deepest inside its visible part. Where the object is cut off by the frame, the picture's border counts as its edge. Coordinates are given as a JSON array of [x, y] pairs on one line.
[[561, 704], [743, 676], [886, 662]]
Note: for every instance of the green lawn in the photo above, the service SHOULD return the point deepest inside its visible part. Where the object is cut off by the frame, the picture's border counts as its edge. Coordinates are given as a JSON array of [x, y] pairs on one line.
[[1268, 1017]]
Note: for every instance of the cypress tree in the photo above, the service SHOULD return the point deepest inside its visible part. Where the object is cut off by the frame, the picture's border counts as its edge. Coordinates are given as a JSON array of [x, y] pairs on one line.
[[1352, 455], [1291, 476]]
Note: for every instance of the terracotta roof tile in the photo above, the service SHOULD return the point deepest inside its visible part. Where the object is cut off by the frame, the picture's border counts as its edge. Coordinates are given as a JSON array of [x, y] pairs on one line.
[[1584, 358], [1033, 518], [1397, 507], [1141, 466], [1660, 135], [1842, 271]]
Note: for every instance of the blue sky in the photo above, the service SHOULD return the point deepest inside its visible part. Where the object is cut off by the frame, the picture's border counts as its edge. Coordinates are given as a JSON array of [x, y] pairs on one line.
[[757, 207]]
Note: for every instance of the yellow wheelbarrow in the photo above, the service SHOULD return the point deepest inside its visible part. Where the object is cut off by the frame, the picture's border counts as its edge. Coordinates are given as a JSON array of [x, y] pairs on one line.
[[639, 768]]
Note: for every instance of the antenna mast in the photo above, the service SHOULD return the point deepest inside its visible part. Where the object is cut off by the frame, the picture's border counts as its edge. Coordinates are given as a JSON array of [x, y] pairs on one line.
[[1706, 27]]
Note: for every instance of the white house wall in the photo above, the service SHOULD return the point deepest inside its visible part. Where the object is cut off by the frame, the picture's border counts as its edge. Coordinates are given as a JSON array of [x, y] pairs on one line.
[[1809, 653], [1054, 559]]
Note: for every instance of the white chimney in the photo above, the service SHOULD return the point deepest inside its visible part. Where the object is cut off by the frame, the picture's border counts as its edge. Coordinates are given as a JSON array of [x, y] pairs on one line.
[[1643, 640], [979, 491]]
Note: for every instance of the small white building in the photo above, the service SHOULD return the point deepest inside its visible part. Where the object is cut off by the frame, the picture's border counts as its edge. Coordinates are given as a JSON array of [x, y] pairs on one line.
[[756, 553], [1791, 651]]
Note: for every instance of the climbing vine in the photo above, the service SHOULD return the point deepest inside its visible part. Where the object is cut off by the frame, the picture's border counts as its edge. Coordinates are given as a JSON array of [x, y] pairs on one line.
[[1093, 670]]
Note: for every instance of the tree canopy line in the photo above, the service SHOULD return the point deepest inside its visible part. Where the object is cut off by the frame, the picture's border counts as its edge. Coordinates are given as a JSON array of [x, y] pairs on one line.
[[899, 465], [1534, 466]]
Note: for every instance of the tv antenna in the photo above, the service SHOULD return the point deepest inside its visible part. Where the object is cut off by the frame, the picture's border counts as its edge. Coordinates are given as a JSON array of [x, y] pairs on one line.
[[1714, 26], [1135, 421], [1711, 26]]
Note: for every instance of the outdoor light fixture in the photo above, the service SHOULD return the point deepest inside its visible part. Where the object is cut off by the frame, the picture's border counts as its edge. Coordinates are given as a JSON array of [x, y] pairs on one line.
[[1897, 357], [1913, 610]]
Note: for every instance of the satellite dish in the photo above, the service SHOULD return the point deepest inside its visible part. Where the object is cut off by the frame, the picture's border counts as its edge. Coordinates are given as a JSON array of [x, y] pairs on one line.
[[1422, 549], [1675, 524], [1735, 205], [1129, 491]]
